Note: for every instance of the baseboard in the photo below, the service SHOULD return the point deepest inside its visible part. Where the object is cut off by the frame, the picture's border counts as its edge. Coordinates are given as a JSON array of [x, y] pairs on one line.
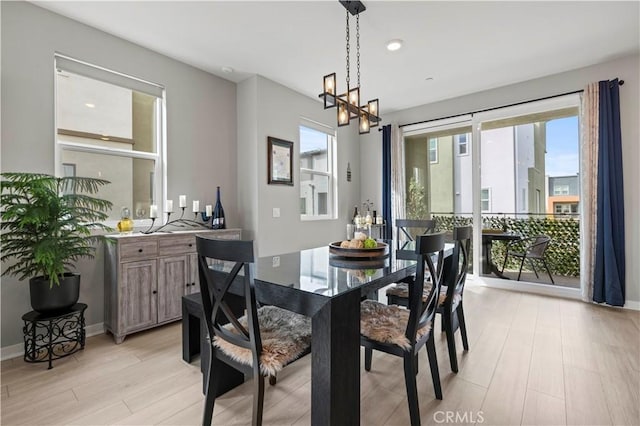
[[547, 290], [15, 351]]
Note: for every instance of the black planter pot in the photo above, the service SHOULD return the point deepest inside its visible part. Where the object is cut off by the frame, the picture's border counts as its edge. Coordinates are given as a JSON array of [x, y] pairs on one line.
[[47, 299]]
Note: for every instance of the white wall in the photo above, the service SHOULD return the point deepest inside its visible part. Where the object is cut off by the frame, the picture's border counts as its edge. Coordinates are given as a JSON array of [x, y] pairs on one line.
[[627, 68], [266, 108], [201, 126], [497, 168]]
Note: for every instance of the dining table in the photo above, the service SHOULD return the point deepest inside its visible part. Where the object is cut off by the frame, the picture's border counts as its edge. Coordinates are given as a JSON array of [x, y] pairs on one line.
[[488, 237], [328, 288]]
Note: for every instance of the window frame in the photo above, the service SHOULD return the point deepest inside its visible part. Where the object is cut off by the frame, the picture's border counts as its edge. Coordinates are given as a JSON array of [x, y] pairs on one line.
[[95, 72], [459, 143], [330, 173], [434, 150], [488, 200]]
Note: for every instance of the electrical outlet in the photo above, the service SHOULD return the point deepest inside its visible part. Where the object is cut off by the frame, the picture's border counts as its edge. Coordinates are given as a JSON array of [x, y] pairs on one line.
[[276, 261], [276, 212]]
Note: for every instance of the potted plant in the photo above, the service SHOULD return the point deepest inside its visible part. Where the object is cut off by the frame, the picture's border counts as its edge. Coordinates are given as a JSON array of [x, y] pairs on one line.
[[47, 225]]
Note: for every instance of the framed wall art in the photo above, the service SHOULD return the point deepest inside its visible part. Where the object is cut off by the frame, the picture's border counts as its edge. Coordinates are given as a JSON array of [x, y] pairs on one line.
[[280, 161]]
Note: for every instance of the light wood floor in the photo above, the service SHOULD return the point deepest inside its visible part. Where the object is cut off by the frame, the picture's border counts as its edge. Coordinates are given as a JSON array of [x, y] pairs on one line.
[[533, 360]]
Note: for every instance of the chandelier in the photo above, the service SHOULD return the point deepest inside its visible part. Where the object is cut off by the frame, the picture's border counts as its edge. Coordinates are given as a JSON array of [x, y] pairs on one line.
[[348, 104]]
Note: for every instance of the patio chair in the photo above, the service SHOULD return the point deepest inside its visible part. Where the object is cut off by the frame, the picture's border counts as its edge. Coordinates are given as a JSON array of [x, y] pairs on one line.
[[534, 251]]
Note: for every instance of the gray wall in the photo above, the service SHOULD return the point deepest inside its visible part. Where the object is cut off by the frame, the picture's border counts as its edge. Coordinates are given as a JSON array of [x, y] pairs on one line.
[[201, 125], [627, 68], [266, 108]]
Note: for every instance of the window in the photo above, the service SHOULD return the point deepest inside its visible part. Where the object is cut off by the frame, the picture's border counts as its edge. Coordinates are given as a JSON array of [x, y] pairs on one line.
[[461, 142], [110, 126], [565, 208], [317, 172], [485, 199], [433, 150], [560, 189]]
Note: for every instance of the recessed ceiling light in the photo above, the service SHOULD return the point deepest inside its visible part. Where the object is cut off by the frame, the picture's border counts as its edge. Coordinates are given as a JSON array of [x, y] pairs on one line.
[[228, 70], [90, 105], [394, 44]]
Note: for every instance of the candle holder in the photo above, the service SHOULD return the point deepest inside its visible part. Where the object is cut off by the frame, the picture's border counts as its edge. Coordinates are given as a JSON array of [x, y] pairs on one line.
[[149, 231], [179, 222]]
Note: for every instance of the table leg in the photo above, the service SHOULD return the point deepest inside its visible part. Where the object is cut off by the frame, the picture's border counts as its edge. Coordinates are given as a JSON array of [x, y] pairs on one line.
[[488, 267], [190, 333], [335, 363]]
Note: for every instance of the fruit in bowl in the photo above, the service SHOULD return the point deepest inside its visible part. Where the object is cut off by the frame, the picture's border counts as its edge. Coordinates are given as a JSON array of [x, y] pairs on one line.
[[357, 243]]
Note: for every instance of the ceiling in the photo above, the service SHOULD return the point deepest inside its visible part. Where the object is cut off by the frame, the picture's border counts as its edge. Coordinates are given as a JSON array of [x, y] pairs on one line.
[[450, 48]]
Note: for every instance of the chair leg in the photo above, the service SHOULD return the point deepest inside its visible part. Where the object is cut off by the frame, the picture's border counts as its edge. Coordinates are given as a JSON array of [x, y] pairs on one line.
[[273, 380], [534, 268], [506, 255], [258, 398], [548, 272], [463, 326], [368, 355], [451, 338], [521, 265], [433, 365], [211, 390], [412, 389]]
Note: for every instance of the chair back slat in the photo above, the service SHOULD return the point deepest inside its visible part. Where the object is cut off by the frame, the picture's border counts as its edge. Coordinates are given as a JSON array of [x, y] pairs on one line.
[[539, 245], [422, 312], [216, 282]]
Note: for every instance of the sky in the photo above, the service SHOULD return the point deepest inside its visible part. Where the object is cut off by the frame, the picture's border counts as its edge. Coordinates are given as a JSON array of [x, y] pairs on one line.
[[562, 147]]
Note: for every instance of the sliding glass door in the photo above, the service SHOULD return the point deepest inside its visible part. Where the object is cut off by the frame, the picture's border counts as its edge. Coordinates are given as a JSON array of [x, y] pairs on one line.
[[514, 174]]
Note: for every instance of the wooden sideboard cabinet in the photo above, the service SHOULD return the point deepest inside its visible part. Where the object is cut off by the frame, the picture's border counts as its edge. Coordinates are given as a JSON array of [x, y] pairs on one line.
[[147, 275]]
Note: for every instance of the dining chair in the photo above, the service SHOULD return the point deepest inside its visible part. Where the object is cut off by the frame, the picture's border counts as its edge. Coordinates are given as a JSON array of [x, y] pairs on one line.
[[534, 251], [451, 292], [403, 331], [259, 343]]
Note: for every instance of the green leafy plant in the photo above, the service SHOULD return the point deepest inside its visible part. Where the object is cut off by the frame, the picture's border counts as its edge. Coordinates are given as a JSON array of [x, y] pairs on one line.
[[416, 200], [47, 223]]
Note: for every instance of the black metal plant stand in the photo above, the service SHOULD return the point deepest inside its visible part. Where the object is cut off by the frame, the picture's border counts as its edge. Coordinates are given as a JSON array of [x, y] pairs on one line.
[[53, 336]]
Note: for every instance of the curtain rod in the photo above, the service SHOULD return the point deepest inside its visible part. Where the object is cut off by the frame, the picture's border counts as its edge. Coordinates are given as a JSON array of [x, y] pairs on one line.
[[620, 82]]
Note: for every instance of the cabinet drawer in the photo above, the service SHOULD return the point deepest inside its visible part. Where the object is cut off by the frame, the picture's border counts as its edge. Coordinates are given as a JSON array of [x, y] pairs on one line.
[[138, 250], [177, 245]]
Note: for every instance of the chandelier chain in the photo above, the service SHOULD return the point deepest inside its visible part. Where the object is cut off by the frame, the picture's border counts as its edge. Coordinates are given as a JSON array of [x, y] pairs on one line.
[[358, 45], [348, 50]]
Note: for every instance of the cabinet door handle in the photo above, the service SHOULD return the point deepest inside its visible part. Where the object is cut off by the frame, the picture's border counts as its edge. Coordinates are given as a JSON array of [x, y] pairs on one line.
[[154, 292], [193, 284], [190, 245], [188, 284], [139, 250]]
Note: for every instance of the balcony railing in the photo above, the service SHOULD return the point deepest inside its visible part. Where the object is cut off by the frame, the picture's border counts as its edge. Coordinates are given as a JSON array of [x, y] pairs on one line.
[[562, 255]]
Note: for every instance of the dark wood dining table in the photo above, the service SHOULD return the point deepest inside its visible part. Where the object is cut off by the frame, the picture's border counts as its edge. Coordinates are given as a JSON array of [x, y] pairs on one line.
[[329, 290], [488, 266]]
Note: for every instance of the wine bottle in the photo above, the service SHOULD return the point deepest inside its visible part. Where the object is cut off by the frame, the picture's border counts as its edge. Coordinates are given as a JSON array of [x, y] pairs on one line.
[[218, 214], [356, 216]]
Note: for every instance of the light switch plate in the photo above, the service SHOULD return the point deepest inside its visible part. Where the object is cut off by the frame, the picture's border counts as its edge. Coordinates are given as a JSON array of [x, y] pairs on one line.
[[276, 212], [276, 261]]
